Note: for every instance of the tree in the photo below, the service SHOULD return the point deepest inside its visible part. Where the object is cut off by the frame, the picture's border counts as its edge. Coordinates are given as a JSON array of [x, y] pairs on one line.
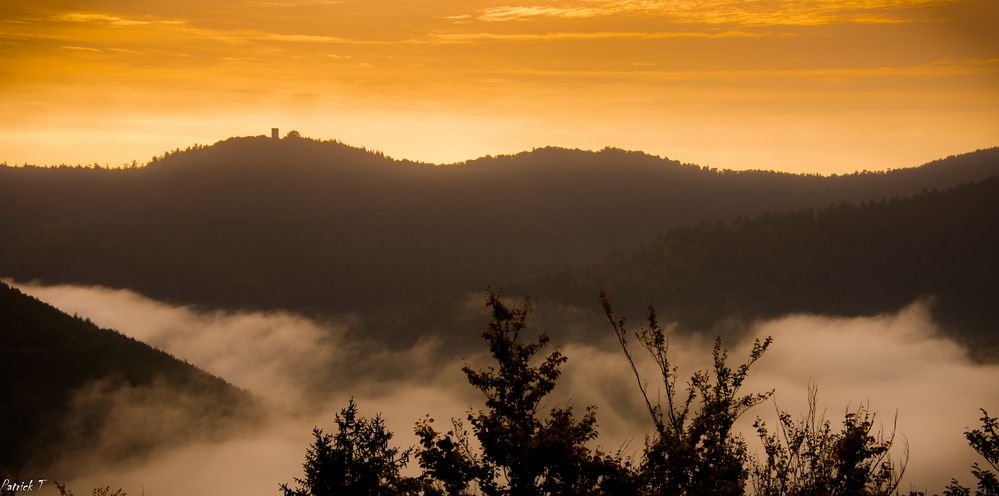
[[509, 448], [521, 453], [807, 458], [357, 460], [693, 450], [986, 442]]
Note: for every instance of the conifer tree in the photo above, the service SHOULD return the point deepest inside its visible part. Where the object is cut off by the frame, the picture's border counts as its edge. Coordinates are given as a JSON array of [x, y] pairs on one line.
[[355, 461], [522, 453]]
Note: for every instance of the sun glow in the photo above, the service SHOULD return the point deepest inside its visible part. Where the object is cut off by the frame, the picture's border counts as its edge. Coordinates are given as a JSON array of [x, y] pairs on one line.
[[819, 86]]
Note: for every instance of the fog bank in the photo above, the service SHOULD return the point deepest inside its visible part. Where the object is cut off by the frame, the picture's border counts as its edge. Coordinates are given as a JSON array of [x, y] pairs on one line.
[[306, 370]]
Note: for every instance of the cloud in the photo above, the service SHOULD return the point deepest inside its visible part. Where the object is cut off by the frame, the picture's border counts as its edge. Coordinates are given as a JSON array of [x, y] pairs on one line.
[[113, 20], [897, 363], [600, 35], [301, 38], [242, 36], [125, 50], [80, 49], [643, 72], [787, 13], [502, 14], [100, 19]]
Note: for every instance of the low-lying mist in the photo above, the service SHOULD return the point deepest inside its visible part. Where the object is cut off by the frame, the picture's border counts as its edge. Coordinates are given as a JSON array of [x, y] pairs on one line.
[[305, 371]]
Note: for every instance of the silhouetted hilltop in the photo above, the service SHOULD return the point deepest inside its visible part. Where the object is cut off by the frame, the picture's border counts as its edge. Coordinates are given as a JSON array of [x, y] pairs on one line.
[[61, 377], [323, 228], [260, 154]]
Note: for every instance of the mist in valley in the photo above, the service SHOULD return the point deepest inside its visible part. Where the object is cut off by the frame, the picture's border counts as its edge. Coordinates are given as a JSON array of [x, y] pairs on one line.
[[304, 371]]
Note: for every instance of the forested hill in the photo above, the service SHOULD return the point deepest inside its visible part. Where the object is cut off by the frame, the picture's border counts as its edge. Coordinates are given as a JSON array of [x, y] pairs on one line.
[[320, 227], [841, 260], [61, 378]]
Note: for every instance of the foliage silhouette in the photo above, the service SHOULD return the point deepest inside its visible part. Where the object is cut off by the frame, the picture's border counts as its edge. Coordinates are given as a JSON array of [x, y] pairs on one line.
[[508, 448], [521, 453], [806, 457], [985, 441], [357, 460], [693, 450]]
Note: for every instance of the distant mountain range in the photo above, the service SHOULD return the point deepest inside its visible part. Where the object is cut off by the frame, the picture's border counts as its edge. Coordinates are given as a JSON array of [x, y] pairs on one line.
[[323, 228], [63, 380]]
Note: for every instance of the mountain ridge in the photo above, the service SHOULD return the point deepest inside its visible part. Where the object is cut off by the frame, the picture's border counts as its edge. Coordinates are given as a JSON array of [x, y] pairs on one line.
[[324, 228], [161, 160]]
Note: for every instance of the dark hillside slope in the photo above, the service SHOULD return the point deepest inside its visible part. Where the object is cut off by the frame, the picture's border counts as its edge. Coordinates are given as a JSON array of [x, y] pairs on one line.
[[841, 260], [322, 228], [48, 357]]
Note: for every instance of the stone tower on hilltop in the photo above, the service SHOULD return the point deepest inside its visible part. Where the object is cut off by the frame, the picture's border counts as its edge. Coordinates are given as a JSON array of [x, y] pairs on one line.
[[274, 133]]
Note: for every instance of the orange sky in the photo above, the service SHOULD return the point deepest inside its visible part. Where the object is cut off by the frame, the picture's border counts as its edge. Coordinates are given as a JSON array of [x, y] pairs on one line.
[[798, 85]]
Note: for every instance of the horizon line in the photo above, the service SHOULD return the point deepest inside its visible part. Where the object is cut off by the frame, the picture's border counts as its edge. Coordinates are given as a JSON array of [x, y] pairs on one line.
[[135, 164]]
